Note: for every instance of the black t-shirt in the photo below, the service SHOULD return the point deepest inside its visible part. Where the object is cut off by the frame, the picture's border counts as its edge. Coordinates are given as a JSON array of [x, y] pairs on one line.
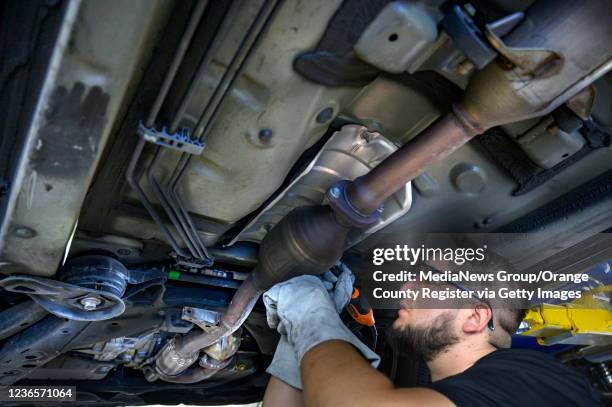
[[518, 377]]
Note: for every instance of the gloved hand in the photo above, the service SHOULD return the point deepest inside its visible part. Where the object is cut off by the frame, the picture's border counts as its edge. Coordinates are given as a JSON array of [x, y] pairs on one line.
[[285, 364], [339, 288], [302, 309]]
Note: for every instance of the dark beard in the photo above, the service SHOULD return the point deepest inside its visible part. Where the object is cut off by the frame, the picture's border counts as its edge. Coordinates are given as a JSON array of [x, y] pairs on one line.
[[428, 342]]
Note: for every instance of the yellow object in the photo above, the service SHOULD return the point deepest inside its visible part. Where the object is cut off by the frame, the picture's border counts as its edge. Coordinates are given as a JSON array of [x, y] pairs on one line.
[[586, 321]]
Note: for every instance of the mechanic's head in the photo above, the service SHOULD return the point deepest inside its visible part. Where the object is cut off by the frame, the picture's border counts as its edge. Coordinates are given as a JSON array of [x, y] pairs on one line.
[[431, 331], [425, 328]]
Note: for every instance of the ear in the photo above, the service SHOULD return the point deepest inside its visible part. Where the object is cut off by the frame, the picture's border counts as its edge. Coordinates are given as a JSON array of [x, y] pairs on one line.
[[477, 319]]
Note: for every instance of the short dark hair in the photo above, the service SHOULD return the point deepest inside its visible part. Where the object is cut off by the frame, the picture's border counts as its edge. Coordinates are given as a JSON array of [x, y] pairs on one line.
[[507, 314]]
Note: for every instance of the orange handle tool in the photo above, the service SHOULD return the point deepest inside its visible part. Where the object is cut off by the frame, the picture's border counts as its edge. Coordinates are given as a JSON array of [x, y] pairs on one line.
[[360, 309]]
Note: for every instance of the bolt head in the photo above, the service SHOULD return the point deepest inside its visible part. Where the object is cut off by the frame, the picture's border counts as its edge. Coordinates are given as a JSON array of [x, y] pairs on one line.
[[465, 67], [335, 192], [265, 135], [325, 115], [150, 138], [90, 303], [24, 232]]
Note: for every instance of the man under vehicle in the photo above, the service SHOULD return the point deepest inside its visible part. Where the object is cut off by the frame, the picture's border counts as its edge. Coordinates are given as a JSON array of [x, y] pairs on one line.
[[466, 350]]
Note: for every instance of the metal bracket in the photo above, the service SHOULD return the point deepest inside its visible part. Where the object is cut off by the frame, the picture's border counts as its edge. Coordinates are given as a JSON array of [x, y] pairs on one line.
[[191, 262], [504, 25], [203, 318], [468, 38], [582, 103], [528, 61], [483, 48], [181, 140], [65, 300]]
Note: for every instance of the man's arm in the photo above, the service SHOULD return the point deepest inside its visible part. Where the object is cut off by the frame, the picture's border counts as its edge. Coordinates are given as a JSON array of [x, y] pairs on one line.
[[280, 394], [335, 374]]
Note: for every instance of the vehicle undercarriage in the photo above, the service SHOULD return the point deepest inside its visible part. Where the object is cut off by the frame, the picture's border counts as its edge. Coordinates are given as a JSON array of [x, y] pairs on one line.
[[163, 163]]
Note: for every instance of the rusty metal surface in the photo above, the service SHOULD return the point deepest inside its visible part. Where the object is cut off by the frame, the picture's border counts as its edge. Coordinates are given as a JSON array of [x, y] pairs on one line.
[[502, 94], [177, 356], [446, 135], [532, 80], [88, 76]]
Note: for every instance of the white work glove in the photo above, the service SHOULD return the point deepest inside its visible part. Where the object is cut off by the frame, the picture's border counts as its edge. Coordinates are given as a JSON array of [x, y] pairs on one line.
[[302, 309], [285, 365]]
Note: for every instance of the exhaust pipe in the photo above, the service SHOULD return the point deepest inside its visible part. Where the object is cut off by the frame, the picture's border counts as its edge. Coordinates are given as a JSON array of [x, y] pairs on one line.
[[544, 62]]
